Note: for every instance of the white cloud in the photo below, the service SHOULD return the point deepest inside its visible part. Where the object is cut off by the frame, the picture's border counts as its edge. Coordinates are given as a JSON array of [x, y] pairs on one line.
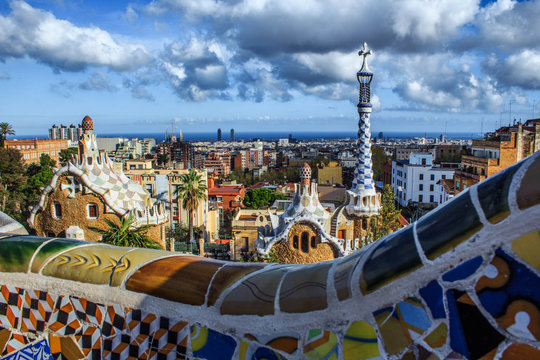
[[27, 31]]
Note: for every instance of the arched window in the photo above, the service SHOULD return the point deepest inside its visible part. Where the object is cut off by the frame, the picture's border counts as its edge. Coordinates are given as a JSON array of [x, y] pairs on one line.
[[57, 210], [295, 241], [364, 224], [93, 211], [305, 242], [313, 242]]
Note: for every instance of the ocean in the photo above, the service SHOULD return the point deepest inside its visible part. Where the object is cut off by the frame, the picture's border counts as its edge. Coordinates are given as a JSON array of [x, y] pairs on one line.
[[269, 136]]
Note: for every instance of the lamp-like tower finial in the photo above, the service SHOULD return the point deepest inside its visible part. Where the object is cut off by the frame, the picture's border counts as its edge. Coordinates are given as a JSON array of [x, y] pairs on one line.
[[362, 198]]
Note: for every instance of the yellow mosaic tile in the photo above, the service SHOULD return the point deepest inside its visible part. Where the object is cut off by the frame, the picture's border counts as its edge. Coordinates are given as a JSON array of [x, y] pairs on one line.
[[392, 333], [90, 264], [132, 260], [360, 342], [527, 247], [437, 337]]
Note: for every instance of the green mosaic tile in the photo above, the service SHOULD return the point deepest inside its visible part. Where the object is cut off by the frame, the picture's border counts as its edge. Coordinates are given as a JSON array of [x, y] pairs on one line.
[[304, 290], [493, 195], [16, 252], [51, 249], [393, 257], [445, 228]]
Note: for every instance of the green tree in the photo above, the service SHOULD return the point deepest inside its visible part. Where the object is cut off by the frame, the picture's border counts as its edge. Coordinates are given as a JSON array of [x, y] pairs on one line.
[[125, 234], [12, 179], [181, 233], [5, 130], [162, 159], [388, 218], [66, 154], [378, 158], [261, 198], [192, 190]]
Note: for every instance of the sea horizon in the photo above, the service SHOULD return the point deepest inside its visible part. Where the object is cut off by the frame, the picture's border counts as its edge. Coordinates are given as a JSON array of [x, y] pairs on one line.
[[275, 135]]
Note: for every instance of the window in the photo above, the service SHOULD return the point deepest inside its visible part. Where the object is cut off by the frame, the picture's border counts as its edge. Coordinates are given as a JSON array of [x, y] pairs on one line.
[[175, 211], [420, 187], [295, 241], [421, 176], [305, 242], [431, 198], [424, 161], [443, 177], [420, 198], [432, 177], [57, 210], [92, 211], [219, 199], [431, 187], [313, 242], [457, 185]]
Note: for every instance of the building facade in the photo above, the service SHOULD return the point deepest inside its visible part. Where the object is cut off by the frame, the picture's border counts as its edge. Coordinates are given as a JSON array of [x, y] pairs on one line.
[[31, 150], [416, 180]]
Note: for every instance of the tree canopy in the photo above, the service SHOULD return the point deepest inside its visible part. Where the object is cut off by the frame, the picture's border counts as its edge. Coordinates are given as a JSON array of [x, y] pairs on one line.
[[5, 130], [261, 198], [389, 215], [192, 190], [66, 154]]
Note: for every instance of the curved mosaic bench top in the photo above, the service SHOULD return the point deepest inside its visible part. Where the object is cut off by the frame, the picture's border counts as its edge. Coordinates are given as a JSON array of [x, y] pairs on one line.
[[462, 282]]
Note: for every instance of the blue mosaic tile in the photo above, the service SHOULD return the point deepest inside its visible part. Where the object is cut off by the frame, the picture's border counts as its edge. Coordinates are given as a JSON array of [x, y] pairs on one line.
[[432, 294], [518, 283], [209, 344], [414, 316], [464, 270], [37, 351], [471, 334]]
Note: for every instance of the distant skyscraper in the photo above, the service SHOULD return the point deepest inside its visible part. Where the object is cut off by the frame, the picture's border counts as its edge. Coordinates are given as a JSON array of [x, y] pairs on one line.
[[232, 135], [218, 134]]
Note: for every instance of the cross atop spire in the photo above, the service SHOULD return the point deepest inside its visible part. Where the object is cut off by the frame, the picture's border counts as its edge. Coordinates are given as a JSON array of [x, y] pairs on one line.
[[364, 53]]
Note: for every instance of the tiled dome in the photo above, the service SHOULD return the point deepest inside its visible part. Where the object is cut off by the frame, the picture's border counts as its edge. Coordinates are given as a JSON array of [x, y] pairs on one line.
[[87, 123]]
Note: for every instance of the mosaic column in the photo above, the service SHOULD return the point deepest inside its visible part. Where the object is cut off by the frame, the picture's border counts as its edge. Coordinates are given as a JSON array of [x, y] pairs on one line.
[[363, 202]]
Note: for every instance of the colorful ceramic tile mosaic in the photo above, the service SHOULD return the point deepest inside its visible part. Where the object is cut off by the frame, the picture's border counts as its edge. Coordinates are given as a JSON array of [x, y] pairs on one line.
[[461, 283]]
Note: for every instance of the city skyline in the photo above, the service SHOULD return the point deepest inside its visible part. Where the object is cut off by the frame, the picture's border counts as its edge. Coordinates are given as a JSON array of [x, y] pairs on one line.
[[445, 66]]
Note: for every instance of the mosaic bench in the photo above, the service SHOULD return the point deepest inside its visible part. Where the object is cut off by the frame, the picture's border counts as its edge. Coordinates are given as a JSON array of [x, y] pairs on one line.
[[462, 282]]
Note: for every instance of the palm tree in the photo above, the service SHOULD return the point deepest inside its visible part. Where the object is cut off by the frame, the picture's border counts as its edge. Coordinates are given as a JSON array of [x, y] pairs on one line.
[[192, 190], [124, 234], [5, 130]]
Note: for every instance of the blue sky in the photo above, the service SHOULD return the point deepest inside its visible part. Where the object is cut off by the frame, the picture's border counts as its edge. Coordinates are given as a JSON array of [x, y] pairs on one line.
[[259, 65]]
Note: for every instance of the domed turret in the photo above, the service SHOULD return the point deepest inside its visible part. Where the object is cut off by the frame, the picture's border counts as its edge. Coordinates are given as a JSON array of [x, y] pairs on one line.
[[87, 124]]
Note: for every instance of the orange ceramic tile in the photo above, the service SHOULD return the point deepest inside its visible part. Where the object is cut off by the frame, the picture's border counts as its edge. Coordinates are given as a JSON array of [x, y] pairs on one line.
[[180, 278], [91, 264], [66, 346], [255, 295], [228, 275], [132, 260], [529, 192], [520, 351], [304, 289], [508, 320], [4, 337]]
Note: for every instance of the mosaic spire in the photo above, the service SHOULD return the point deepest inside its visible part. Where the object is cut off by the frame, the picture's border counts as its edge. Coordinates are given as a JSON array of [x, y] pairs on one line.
[[362, 198]]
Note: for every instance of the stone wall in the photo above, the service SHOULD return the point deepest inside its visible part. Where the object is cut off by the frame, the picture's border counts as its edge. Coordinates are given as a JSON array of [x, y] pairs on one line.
[[462, 282]]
